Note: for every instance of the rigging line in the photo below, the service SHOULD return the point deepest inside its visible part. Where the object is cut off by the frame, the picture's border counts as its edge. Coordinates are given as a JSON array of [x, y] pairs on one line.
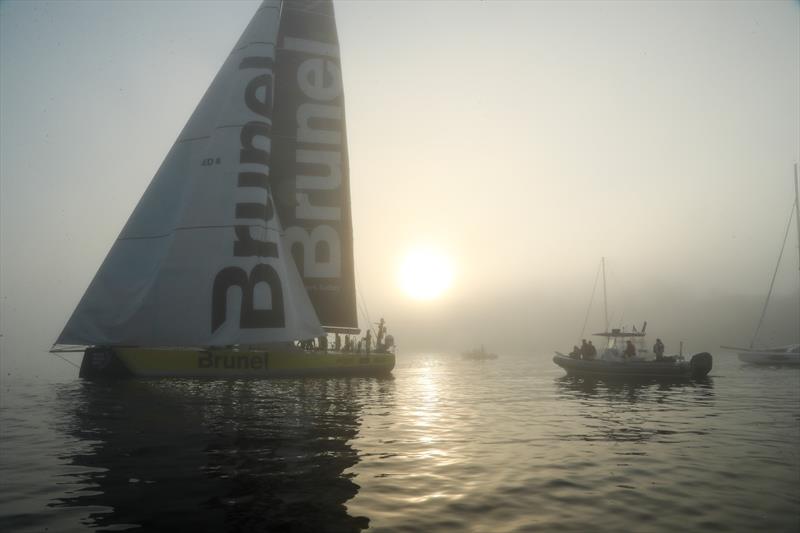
[[65, 359], [309, 10], [774, 274], [247, 45], [190, 139], [360, 293], [591, 301], [624, 298], [364, 310], [187, 228], [797, 219], [605, 294], [797, 211]]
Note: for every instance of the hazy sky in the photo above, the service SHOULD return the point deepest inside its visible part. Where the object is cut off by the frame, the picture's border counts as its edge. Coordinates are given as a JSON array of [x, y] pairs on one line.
[[524, 140]]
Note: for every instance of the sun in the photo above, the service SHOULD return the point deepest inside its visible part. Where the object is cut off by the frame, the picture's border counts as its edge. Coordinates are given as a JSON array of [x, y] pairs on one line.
[[425, 274]]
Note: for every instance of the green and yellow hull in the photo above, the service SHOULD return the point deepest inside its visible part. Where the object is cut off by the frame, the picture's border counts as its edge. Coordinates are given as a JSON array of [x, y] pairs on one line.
[[102, 362]]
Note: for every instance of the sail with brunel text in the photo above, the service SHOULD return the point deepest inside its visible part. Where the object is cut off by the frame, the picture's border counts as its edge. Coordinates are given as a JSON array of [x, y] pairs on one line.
[[204, 259], [310, 164]]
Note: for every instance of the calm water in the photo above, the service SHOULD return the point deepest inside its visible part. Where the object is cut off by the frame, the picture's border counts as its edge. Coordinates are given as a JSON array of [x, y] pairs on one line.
[[445, 445]]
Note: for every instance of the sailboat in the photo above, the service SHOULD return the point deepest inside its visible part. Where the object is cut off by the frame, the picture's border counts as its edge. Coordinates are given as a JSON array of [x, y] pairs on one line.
[[775, 355], [613, 363], [240, 251]]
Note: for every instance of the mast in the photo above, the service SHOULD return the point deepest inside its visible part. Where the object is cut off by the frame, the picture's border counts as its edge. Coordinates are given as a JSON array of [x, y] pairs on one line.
[[605, 298], [591, 301], [797, 213], [797, 219], [792, 212]]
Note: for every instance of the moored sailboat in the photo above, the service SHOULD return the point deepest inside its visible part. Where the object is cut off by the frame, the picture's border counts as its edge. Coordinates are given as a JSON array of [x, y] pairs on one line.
[[241, 247], [772, 355], [775, 355]]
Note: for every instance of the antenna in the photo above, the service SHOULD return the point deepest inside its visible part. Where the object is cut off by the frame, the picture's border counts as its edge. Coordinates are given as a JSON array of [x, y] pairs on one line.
[[591, 301]]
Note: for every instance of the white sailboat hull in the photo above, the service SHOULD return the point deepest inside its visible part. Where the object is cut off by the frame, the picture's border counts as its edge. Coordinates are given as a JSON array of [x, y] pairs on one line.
[[775, 355], [770, 357]]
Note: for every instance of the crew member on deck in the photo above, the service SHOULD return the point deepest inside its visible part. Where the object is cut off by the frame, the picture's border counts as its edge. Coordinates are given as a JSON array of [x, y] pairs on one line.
[[658, 349], [381, 333], [584, 349], [369, 339], [337, 342], [592, 351], [630, 350], [575, 353]]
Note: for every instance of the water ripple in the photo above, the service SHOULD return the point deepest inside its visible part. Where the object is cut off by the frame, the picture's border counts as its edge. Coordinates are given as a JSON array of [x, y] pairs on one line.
[[446, 445]]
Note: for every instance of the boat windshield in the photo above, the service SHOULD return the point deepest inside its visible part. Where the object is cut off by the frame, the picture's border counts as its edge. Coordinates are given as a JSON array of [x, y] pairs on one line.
[[617, 339]]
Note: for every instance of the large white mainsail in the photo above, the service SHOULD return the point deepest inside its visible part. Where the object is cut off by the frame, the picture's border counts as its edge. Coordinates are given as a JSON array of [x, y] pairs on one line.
[[203, 261]]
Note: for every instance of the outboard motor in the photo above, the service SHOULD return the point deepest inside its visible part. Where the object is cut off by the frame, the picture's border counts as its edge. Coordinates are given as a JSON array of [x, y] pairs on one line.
[[700, 364]]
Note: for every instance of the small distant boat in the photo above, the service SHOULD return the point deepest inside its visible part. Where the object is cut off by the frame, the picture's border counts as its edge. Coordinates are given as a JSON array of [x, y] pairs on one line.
[[775, 355], [479, 354]]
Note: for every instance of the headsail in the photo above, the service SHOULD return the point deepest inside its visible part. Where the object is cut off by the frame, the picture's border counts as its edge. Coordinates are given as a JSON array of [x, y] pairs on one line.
[[203, 259], [310, 173]]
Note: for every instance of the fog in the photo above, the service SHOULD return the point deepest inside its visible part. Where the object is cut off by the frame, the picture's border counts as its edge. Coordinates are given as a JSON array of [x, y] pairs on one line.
[[539, 322], [525, 140]]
